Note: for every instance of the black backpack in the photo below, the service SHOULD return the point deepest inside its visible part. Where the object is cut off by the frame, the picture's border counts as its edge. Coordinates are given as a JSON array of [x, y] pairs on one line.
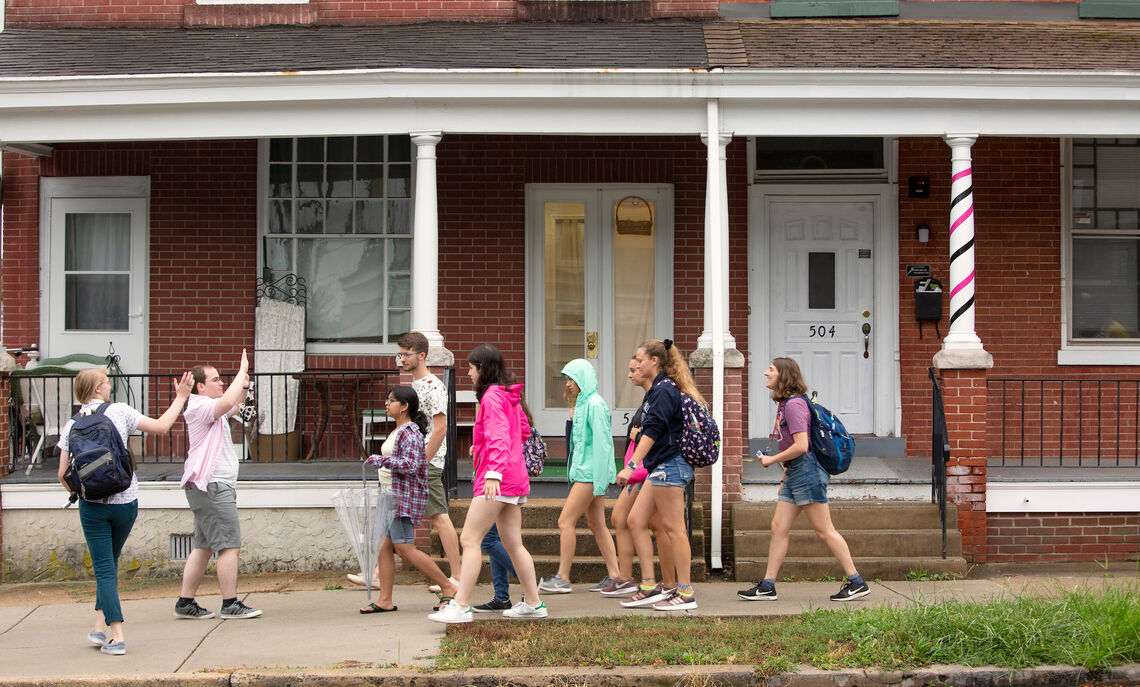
[[99, 465]]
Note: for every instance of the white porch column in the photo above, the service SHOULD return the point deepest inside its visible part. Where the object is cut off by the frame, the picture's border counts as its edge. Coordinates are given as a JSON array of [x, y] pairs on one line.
[[425, 243], [961, 346], [716, 191]]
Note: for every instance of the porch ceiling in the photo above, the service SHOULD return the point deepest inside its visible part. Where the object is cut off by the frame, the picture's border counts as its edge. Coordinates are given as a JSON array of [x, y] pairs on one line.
[[773, 78]]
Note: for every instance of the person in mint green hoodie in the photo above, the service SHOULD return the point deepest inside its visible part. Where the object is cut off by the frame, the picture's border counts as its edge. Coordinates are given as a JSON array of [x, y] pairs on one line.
[[591, 471]]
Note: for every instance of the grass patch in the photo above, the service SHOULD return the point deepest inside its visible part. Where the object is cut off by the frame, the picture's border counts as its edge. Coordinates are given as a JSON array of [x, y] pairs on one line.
[[1095, 629]]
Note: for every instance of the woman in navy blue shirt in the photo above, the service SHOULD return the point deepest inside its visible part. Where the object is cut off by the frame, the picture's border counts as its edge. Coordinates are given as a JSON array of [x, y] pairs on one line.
[[669, 475]]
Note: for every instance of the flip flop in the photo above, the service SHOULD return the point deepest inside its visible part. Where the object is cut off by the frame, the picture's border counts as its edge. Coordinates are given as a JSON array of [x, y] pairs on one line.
[[373, 608], [443, 601]]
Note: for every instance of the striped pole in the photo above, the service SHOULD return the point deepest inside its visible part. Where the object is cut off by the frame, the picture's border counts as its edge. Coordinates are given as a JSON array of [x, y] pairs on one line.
[[961, 334]]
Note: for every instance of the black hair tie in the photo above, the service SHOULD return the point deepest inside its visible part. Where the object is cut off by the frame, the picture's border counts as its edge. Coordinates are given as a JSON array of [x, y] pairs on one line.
[[668, 343]]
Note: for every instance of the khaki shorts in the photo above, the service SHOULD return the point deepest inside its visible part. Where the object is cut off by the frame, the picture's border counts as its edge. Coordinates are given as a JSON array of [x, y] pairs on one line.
[[216, 524], [437, 497]]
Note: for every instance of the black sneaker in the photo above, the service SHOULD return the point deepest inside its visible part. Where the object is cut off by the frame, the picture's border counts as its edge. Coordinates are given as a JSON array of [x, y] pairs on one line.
[[191, 611], [850, 591], [493, 606], [238, 610], [758, 593]]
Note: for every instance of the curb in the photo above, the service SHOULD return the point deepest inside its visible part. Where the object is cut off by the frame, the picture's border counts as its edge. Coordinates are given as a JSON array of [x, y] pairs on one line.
[[627, 676]]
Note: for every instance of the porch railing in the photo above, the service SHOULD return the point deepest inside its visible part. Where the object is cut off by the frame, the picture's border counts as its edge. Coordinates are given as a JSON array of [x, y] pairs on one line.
[[939, 453], [1061, 423], [313, 415]]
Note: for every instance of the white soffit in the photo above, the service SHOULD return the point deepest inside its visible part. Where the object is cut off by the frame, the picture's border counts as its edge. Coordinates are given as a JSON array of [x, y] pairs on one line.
[[770, 103]]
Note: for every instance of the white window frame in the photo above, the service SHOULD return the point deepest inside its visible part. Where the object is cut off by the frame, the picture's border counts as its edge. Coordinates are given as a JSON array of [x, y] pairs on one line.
[[322, 348], [1082, 351]]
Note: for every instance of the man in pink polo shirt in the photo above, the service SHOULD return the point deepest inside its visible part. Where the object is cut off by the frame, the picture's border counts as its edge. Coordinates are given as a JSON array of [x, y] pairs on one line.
[[209, 479]]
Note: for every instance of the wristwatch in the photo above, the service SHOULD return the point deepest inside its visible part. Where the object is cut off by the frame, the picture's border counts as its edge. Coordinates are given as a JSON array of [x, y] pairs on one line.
[[631, 465]]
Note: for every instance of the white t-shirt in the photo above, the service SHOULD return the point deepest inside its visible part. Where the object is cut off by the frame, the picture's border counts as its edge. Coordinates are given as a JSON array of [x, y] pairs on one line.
[[433, 401], [126, 420]]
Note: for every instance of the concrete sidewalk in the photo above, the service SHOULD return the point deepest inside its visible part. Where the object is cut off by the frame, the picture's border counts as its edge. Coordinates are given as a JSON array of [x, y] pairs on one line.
[[320, 630]]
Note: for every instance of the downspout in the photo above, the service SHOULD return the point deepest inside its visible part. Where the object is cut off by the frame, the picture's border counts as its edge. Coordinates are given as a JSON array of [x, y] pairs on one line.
[[716, 266]]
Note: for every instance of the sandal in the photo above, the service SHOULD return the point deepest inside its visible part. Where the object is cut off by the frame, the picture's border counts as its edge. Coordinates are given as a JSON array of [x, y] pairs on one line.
[[373, 608], [443, 601]]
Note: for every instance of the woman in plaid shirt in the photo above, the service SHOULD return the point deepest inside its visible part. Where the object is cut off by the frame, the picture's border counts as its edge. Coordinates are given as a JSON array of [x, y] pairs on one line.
[[403, 454]]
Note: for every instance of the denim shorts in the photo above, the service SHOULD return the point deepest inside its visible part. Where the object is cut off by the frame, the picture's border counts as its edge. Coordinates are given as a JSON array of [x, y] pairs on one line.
[[674, 472], [402, 531], [805, 482]]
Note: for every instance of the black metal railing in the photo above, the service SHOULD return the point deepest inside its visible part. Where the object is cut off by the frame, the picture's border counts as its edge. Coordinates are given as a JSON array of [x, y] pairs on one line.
[[939, 453], [451, 467], [1064, 422], [310, 415]]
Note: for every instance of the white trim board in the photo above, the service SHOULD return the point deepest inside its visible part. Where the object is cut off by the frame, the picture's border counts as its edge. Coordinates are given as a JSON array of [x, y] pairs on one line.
[[161, 495], [1062, 497]]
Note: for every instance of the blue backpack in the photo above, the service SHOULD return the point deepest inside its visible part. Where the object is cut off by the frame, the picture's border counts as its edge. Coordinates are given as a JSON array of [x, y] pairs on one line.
[[700, 438], [99, 465], [829, 440]]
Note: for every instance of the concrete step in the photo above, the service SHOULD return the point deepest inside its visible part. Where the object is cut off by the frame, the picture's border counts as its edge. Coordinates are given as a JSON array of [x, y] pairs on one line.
[[806, 568], [863, 543], [850, 516], [542, 513], [585, 570], [547, 542]]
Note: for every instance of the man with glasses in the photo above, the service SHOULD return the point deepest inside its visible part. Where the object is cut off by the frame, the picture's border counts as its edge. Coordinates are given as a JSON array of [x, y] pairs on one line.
[[209, 479]]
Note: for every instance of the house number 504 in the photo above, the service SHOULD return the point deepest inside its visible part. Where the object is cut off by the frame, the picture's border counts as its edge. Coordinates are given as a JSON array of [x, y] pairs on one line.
[[819, 331]]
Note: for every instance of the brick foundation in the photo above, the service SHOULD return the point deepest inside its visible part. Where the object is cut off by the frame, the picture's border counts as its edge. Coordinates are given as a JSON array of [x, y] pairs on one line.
[[1049, 537], [964, 396]]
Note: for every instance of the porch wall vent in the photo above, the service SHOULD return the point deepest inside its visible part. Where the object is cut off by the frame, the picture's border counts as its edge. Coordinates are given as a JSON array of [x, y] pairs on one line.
[[180, 547]]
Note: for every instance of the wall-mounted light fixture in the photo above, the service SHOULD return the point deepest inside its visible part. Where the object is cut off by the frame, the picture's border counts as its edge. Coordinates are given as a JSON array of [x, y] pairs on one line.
[[922, 232]]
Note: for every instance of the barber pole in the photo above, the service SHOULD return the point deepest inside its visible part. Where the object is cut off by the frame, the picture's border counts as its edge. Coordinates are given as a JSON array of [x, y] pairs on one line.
[[961, 334]]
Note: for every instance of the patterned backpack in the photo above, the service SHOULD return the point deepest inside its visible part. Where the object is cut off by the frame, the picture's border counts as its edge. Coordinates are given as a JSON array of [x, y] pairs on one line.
[[700, 438], [534, 453]]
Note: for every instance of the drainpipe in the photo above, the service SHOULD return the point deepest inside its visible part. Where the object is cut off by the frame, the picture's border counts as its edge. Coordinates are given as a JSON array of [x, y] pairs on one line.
[[717, 264]]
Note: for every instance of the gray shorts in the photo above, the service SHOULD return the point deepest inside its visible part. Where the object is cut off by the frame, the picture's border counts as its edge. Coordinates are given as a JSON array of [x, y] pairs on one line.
[[216, 524], [437, 497]]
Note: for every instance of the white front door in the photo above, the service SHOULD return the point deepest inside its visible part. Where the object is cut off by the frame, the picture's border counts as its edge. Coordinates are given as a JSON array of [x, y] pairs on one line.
[[599, 282], [96, 279], [822, 300]]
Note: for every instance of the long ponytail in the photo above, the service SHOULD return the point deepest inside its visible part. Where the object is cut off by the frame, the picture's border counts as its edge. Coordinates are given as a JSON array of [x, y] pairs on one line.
[[674, 366]]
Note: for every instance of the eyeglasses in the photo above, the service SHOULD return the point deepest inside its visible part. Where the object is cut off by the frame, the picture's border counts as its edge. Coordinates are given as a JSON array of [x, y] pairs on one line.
[[404, 355], [214, 379]]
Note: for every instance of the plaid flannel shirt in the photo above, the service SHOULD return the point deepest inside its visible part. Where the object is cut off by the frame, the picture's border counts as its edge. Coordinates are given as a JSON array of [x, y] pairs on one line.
[[409, 468]]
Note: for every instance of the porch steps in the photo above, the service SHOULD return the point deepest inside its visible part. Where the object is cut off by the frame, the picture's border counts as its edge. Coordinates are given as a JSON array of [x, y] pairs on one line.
[[888, 540], [540, 536]]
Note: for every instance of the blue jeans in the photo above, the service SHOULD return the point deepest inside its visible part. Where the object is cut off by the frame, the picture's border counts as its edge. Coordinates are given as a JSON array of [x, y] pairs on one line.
[[105, 527], [501, 567], [805, 482]]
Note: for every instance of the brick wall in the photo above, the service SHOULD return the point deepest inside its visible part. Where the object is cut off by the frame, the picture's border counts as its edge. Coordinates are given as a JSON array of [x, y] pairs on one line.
[[202, 242], [1046, 537], [1017, 201], [173, 13]]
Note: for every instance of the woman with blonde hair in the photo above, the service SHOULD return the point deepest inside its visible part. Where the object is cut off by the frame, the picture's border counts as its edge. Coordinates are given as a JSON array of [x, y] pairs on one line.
[[803, 488], [669, 475], [107, 522]]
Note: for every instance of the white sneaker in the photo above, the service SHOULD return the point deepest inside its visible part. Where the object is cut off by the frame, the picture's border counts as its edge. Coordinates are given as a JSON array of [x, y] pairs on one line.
[[436, 589], [454, 613], [524, 611]]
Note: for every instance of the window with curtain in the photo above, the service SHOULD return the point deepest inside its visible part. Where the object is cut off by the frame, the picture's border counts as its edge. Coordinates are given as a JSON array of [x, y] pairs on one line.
[[340, 216], [1105, 239], [97, 271]]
